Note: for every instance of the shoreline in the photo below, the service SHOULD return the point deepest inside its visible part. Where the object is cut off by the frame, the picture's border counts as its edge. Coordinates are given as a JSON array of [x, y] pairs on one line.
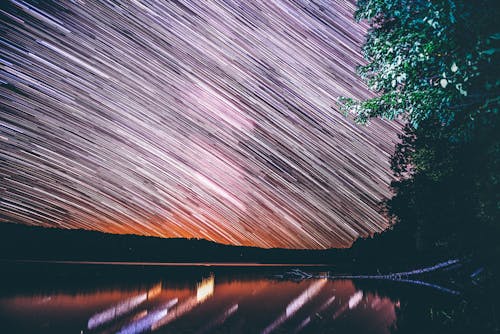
[[170, 264]]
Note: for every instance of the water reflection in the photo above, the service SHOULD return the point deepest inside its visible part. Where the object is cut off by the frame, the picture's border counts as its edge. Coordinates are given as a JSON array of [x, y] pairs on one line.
[[204, 290], [122, 308], [147, 321], [225, 302], [219, 320], [296, 304]]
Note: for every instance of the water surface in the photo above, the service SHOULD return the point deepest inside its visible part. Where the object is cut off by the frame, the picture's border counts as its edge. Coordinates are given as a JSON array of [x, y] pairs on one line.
[[92, 298]]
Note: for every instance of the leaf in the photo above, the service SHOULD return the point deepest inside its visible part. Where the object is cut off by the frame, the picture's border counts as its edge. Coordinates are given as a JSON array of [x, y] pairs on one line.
[[490, 52], [495, 36]]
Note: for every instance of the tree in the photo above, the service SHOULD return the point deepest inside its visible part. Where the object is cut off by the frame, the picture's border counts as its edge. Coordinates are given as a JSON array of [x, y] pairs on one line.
[[434, 64], [428, 58], [447, 190]]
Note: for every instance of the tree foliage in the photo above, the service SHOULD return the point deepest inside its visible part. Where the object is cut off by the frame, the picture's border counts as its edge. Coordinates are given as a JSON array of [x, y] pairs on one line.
[[447, 192], [428, 58], [434, 64]]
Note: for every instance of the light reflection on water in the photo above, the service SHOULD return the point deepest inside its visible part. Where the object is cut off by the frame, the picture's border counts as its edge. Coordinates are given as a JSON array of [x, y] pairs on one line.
[[217, 301]]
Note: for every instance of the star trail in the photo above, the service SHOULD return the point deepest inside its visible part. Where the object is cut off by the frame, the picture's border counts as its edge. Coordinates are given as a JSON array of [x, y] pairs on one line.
[[199, 119]]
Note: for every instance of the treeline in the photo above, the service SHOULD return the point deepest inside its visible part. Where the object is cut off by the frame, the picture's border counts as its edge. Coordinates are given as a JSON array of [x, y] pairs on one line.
[[20, 242], [385, 251]]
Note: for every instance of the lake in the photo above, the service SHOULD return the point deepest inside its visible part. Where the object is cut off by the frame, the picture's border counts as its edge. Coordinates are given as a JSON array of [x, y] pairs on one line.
[[96, 298]]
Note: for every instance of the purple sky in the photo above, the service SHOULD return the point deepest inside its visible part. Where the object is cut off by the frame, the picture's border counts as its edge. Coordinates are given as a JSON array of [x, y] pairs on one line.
[[215, 121]]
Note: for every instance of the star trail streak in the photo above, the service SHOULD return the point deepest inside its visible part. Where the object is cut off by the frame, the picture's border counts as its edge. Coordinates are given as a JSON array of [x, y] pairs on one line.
[[205, 119]]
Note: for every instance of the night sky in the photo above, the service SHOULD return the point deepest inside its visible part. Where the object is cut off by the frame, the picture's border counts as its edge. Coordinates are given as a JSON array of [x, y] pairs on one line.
[[214, 120]]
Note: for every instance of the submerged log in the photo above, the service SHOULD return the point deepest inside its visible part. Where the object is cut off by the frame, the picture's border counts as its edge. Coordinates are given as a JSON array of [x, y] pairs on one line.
[[402, 277]]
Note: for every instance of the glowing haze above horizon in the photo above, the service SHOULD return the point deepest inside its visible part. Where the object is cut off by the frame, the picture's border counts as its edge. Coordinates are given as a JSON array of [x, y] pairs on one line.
[[214, 120]]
